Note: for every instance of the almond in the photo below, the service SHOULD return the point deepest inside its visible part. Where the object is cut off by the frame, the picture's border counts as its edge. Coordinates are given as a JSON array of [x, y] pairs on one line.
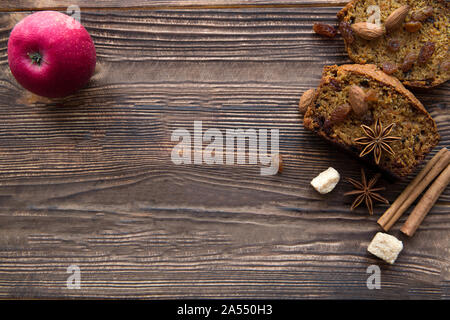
[[368, 31], [306, 100], [396, 18], [357, 99]]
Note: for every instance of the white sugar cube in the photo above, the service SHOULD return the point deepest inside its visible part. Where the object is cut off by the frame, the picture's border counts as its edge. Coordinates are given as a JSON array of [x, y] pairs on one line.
[[385, 247], [326, 181]]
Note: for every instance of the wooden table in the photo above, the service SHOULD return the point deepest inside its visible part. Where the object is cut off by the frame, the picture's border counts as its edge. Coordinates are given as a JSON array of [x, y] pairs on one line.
[[88, 180]]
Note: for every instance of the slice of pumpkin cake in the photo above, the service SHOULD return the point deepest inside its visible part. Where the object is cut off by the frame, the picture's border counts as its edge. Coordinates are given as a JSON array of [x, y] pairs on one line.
[[371, 114]]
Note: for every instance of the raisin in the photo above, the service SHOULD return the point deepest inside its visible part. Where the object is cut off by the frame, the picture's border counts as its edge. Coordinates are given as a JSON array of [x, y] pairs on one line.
[[364, 83], [325, 30], [340, 113], [389, 67], [327, 127], [426, 52], [367, 119], [371, 95], [394, 45], [335, 84], [346, 32], [320, 121], [445, 66], [422, 14], [409, 61], [413, 26]]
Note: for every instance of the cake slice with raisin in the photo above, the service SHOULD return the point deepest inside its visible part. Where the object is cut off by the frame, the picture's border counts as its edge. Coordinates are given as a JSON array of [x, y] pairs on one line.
[[371, 114], [413, 45]]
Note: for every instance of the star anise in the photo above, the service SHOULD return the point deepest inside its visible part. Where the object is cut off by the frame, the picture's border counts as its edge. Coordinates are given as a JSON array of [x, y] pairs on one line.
[[366, 192], [377, 140]]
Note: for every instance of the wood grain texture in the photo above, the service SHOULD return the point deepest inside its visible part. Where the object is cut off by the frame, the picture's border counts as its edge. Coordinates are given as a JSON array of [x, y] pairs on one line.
[[16, 5], [88, 180]]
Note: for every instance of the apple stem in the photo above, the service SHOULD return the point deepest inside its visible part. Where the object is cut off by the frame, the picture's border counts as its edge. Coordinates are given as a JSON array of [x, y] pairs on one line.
[[35, 57]]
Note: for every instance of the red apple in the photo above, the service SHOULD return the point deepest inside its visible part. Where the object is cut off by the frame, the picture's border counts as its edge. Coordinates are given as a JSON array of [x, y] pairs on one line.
[[51, 54]]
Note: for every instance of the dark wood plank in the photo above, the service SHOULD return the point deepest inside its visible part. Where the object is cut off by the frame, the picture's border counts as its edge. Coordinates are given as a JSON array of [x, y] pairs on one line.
[[161, 4], [88, 180]]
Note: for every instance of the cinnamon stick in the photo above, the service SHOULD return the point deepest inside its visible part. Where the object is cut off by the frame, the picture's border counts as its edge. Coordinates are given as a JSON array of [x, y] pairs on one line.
[[426, 203], [434, 167]]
